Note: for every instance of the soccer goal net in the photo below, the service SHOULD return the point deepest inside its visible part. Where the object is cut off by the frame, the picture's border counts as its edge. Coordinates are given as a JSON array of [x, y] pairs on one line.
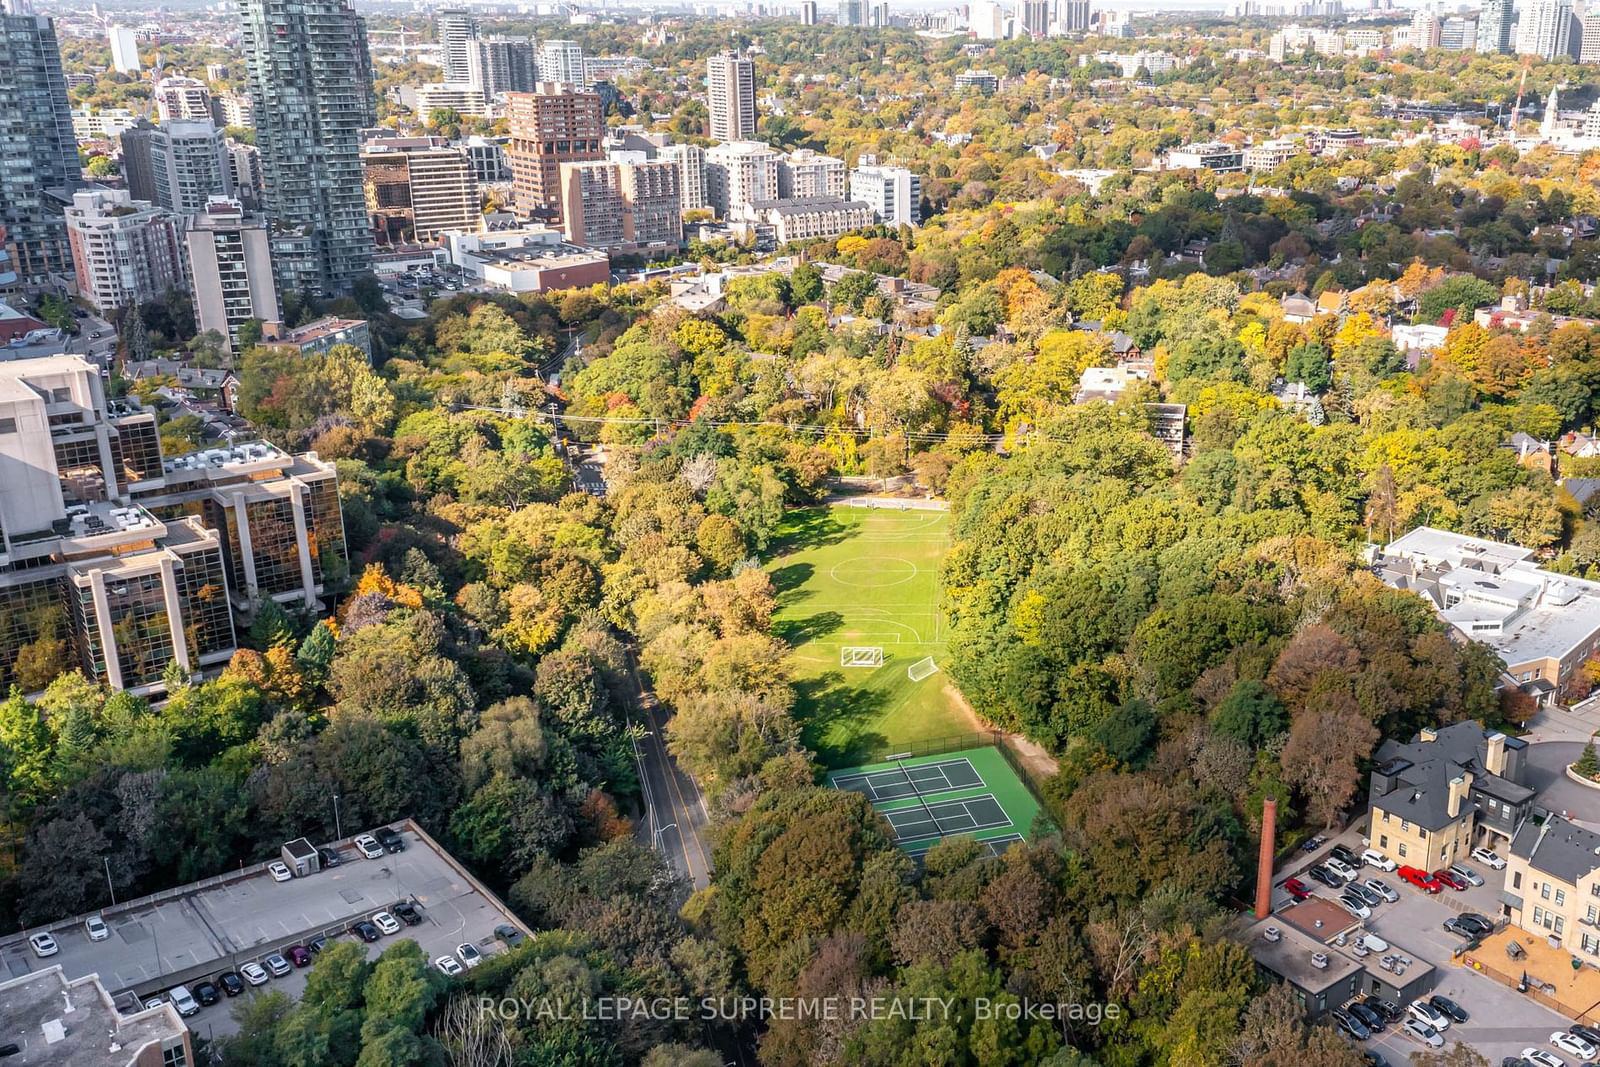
[[921, 669], [861, 656]]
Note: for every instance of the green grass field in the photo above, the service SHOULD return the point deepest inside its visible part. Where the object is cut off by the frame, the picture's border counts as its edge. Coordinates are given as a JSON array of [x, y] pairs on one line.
[[864, 576], [986, 779]]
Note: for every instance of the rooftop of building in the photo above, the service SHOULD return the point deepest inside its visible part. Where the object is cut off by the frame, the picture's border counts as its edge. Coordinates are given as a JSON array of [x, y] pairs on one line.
[[1558, 848], [1302, 960], [54, 1020], [246, 454], [805, 205], [541, 256], [216, 924], [317, 330], [1421, 772]]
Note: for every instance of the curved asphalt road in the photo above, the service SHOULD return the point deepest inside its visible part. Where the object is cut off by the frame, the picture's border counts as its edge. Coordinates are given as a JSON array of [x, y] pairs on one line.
[[1547, 773]]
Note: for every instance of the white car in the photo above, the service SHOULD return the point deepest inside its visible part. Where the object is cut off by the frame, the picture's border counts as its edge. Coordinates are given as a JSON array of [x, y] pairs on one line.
[[1418, 1030], [96, 928], [181, 1000], [253, 973], [1573, 1045], [1489, 859], [280, 871], [1340, 867], [470, 956], [1373, 858], [1356, 906], [368, 846], [1540, 1058], [1424, 1012], [1382, 889], [448, 965], [385, 922], [43, 944]]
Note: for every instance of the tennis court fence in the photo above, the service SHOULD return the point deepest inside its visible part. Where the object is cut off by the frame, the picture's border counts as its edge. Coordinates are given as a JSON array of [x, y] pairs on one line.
[[938, 746]]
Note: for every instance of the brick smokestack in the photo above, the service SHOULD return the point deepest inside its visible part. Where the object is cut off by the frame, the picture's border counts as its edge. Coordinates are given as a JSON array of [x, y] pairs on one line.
[[1269, 833]]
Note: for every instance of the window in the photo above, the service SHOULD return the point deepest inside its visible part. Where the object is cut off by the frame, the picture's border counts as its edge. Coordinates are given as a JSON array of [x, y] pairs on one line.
[[1405, 827], [1538, 916], [1561, 897], [8, 425], [174, 1056], [1544, 890], [1516, 880], [1385, 816], [1593, 913], [1560, 923], [1402, 851], [1383, 840], [1422, 832], [62, 395], [1591, 944]]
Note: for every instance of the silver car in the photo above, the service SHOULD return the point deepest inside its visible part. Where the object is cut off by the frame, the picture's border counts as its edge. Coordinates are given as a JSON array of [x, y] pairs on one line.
[[1381, 888], [1466, 874]]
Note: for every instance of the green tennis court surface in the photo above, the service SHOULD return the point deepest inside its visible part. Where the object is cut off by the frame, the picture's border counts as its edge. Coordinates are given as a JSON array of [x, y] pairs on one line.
[[972, 792]]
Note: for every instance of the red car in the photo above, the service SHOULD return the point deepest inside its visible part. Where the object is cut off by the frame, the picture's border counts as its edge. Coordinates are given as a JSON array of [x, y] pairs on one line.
[[298, 955], [1446, 878], [1296, 888], [1420, 878]]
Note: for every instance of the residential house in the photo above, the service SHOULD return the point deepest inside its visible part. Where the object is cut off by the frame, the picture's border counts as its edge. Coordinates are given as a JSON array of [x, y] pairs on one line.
[[1449, 790], [1298, 308], [1552, 885]]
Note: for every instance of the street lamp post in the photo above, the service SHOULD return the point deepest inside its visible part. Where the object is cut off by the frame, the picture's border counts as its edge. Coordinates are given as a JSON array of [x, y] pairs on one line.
[[338, 828]]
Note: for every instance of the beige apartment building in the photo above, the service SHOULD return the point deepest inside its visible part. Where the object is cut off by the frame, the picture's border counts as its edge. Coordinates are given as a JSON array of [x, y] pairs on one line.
[[621, 207], [1552, 885]]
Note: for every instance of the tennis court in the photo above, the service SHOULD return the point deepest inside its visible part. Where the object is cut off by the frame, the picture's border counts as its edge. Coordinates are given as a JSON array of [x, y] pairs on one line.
[[925, 799]]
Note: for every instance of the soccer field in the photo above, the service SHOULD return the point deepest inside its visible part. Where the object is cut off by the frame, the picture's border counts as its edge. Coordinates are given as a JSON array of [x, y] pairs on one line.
[[864, 577]]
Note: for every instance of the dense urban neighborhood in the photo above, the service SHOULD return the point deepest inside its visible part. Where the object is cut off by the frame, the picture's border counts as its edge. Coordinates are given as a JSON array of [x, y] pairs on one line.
[[565, 535]]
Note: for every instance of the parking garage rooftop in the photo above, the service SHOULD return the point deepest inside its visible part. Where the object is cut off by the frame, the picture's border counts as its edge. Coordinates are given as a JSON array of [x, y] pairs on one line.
[[198, 931]]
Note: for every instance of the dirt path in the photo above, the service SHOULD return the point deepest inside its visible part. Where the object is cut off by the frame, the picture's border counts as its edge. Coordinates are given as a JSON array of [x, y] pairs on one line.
[[1033, 756]]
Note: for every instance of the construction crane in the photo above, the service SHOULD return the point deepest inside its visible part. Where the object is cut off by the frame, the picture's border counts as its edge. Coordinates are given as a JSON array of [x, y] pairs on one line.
[[1516, 110]]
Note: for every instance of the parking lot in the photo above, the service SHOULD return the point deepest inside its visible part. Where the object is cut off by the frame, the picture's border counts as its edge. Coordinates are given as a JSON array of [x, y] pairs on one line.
[[217, 925], [1502, 1022]]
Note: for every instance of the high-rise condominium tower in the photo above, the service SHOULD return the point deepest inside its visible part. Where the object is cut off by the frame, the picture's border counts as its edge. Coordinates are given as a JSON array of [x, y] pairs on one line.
[[310, 79], [40, 152], [731, 96]]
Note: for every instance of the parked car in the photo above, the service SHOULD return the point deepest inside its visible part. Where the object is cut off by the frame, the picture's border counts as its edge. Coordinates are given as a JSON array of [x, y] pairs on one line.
[[1482, 924], [1373, 858], [1489, 858], [1296, 889], [1368, 896], [1355, 904], [1573, 1045], [365, 931], [1371, 1019], [1466, 874], [391, 841], [1422, 1011], [368, 846], [1352, 1027], [206, 994], [316, 944], [277, 965], [448, 965], [1444, 877], [253, 973], [407, 912], [1420, 878], [230, 982], [1449, 1007], [1344, 855], [509, 935], [43, 944], [328, 856], [1461, 928], [1418, 1030], [1382, 888], [96, 928], [1588, 1033], [1341, 868], [1325, 876], [298, 955], [1540, 1058], [385, 922], [469, 955], [1387, 1008], [183, 1001], [280, 871]]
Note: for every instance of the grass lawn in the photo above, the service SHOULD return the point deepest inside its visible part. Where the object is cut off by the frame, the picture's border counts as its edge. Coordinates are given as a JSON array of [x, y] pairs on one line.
[[864, 576]]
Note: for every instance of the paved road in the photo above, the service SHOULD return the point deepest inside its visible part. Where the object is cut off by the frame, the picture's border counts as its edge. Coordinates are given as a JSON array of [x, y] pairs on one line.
[[675, 812]]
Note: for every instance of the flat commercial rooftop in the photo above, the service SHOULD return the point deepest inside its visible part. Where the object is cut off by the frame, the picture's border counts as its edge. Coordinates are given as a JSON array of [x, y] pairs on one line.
[[201, 930], [54, 1021]]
